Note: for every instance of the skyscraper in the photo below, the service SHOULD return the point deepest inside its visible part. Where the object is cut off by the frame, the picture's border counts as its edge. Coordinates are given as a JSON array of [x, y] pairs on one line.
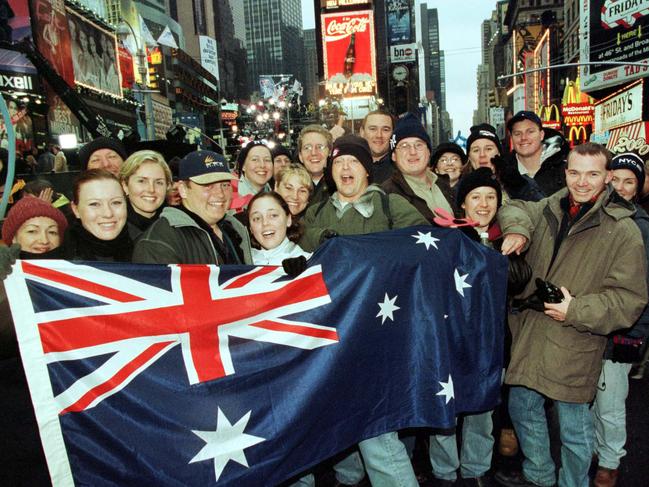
[[433, 55], [274, 39], [310, 66]]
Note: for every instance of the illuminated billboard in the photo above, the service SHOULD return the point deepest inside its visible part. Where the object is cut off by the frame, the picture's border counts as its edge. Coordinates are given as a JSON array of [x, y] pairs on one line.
[[613, 30], [52, 36], [398, 17], [93, 55], [348, 53]]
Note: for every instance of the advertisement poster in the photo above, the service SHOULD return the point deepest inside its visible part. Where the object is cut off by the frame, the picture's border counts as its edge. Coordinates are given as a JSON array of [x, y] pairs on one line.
[[22, 124], [126, 67], [613, 30], [348, 52], [209, 55], [52, 36], [93, 55], [59, 117], [398, 13]]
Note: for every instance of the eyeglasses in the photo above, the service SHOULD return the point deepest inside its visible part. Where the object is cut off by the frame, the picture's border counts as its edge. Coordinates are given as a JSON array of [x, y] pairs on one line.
[[318, 147], [406, 147], [450, 160]]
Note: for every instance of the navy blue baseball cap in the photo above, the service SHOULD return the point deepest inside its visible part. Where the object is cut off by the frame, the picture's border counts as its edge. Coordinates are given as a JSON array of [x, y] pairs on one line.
[[204, 167], [524, 115]]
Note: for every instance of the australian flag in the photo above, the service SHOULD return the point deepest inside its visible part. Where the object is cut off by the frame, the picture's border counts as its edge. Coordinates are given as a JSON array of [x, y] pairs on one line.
[[204, 375]]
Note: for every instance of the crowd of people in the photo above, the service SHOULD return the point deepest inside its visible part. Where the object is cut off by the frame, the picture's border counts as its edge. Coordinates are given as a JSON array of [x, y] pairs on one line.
[[546, 207]]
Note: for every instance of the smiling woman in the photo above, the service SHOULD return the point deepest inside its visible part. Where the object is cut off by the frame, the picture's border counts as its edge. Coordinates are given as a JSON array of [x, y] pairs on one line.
[[100, 232]]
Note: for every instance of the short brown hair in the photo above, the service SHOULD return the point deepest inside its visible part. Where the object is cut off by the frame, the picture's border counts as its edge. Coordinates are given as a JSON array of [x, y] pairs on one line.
[[318, 129], [380, 111], [592, 149]]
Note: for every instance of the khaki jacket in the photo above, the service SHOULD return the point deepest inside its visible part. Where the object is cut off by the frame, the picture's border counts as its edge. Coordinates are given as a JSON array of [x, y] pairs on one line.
[[601, 262]]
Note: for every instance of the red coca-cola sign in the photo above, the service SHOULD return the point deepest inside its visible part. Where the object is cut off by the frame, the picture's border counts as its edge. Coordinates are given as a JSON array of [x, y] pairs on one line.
[[349, 54]]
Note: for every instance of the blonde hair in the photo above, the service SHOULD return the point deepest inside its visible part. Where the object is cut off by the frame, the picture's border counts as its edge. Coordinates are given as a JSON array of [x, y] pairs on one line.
[[318, 129], [135, 160], [295, 170]]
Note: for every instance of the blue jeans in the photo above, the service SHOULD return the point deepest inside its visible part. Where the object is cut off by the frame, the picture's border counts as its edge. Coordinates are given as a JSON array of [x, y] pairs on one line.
[[609, 413], [475, 454], [576, 430], [386, 461]]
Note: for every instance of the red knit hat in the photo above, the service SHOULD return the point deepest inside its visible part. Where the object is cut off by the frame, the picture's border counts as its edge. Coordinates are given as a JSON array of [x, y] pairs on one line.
[[26, 208]]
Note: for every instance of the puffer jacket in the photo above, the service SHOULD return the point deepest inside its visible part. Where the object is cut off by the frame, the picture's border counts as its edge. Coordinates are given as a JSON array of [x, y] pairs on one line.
[[601, 261]]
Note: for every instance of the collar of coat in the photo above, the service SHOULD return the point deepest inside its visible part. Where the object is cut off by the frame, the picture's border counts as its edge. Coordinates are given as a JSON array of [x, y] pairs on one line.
[[609, 203], [362, 205]]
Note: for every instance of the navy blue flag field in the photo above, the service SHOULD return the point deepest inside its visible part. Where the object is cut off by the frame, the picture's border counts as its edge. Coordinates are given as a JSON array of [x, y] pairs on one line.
[[204, 375]]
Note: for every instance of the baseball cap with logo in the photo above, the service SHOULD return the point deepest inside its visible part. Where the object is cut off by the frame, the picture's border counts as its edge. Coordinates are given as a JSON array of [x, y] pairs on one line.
[[204, 167], [524, 115]]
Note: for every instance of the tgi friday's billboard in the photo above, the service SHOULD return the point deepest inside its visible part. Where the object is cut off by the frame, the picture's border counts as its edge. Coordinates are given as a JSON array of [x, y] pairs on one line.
[[613, 30], [348, 53]]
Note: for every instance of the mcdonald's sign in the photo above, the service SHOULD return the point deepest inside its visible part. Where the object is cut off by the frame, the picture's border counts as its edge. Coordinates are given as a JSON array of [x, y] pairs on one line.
[[577, 135], [545, 114]]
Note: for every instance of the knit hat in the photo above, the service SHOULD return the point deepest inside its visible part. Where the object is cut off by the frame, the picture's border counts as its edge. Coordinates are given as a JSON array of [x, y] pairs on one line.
[[352, 145], [280, 150], [26, 208], [483, 131], [409, 126], [243, 153], [100, 143], [483, 176], [524, 115], [633, 163], [445, 147]]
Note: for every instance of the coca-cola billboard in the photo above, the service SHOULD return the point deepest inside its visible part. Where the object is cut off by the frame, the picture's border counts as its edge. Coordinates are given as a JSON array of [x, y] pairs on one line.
[[348, 53]]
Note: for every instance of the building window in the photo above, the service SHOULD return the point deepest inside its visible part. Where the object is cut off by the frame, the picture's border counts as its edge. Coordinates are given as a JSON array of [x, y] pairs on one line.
[[200, 26]]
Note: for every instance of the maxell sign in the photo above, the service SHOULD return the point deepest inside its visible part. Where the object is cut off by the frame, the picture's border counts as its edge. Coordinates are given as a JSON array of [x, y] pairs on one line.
[[403, 53], [17, 82]]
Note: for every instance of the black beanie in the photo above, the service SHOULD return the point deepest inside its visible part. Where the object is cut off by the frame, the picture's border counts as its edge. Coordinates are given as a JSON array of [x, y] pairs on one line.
[[352, 145], [483, 176], [409, 126], [483, 131], [633, 163], [280, 150], [100, 143], [243, 153], [445, 147]]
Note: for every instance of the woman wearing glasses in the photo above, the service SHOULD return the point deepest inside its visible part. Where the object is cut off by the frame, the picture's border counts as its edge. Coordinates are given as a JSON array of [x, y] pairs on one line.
[[449, 159]]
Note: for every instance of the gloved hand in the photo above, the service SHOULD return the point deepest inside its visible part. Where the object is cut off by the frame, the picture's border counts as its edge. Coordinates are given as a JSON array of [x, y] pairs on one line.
[[294, 266], [8, 256], [327, 234], [519, 274], [508, 174]]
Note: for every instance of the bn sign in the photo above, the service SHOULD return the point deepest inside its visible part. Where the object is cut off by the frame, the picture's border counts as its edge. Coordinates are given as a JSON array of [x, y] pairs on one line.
[[403, 53]]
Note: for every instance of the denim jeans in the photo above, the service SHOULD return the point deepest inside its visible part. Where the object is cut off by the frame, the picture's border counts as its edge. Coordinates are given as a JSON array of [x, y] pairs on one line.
[[475, 454], [576, 431], [386, 461], [609, 413]]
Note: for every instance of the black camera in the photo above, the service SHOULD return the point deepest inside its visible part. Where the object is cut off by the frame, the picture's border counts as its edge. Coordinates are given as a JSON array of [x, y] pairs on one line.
[[546, 292]]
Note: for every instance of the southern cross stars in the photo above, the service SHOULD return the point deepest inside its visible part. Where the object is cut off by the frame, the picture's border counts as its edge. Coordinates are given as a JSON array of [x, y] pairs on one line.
[[226, 443], [387, 308], [447, 389], [460, 282], [427, 239]]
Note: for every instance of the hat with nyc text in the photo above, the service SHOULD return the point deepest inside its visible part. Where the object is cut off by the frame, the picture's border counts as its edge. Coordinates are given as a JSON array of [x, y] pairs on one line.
[[633, 163], [204, 167]]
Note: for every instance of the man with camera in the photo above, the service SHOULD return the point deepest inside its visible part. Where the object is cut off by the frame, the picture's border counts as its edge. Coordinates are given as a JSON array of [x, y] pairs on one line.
[[583, 240]]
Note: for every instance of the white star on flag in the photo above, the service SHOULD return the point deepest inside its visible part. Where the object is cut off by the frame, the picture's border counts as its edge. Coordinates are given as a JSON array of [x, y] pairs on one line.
[[387, 308], [226, 443], [460, 282], [427, 239], [447, 389]]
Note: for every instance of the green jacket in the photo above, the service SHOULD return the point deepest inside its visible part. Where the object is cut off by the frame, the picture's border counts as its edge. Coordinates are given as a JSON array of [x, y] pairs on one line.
[[321, 217], [175, 238], [601, 262]]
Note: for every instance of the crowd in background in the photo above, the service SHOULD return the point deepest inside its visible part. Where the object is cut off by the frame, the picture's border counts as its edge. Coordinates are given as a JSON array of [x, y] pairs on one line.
[[546, 207]]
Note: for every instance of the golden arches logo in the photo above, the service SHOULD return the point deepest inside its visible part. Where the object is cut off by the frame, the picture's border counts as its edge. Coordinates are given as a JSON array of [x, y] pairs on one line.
[[545, 113], [577, 134]]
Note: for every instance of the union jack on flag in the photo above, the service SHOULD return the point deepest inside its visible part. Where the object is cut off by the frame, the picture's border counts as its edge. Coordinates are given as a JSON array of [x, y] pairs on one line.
[[203, 375]]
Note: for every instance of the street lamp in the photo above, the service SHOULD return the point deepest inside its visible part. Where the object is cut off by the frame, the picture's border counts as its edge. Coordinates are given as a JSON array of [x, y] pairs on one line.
[[123, 30]]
